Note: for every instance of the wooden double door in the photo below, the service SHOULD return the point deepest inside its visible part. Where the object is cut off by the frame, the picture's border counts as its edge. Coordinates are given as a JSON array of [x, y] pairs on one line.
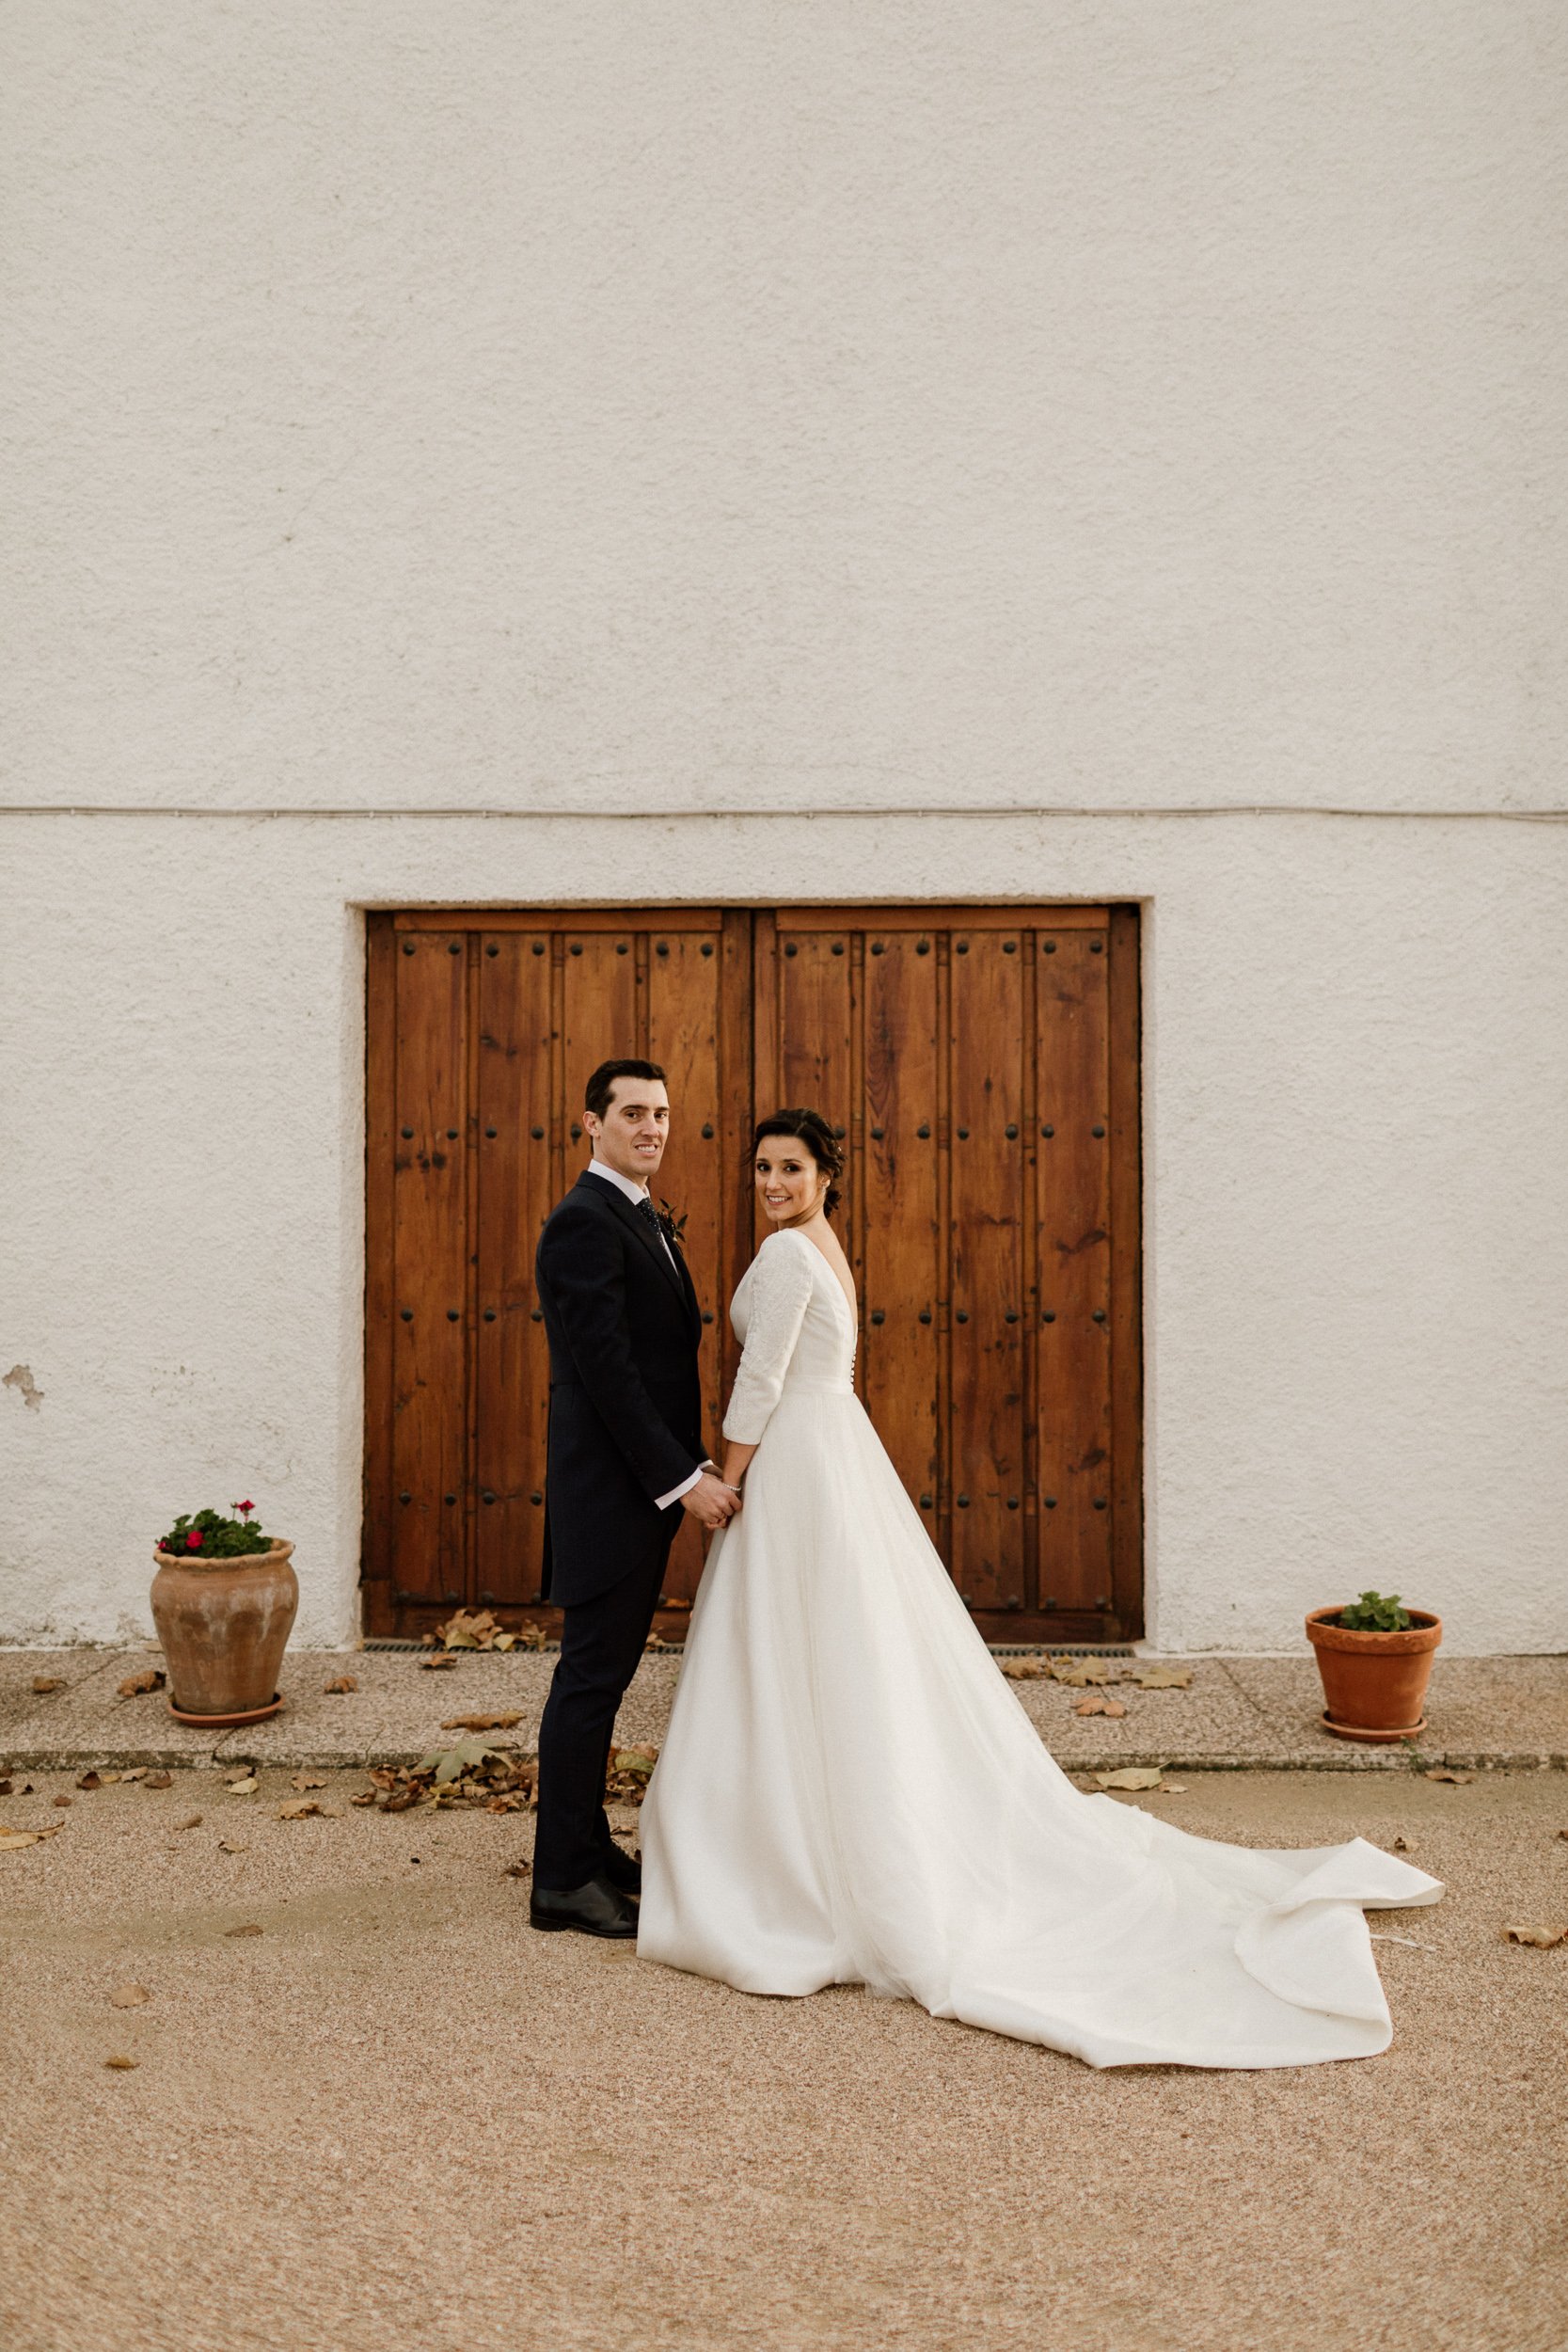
[[981, 1064]]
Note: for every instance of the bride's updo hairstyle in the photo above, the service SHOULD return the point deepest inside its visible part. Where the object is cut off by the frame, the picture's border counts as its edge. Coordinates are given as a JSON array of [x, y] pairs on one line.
[[812, 1129]]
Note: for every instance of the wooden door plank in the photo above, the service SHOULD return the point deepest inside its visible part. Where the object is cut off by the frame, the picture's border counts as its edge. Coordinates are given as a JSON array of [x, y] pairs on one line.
[[905, 1261], [683, 1037], [986, 1414], [376, 1564], [430, 1277], [514, 1198], [600, 1022], [739, 985], [767, 1086], [1073, 1405], [815, 1054], [1124, 1058]]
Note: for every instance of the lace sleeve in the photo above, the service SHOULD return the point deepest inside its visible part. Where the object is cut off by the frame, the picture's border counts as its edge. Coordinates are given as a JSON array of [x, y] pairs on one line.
[[780, 1286]]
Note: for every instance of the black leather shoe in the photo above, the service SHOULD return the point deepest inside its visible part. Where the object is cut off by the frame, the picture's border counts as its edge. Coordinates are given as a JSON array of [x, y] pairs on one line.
[[622, 1871], [596, 1909]]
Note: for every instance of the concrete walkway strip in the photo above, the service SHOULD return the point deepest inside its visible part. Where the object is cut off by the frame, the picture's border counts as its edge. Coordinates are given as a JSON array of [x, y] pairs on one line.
[[1238, 1715]]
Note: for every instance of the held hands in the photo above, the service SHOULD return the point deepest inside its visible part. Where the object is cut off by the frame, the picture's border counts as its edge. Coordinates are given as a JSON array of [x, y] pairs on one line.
[[711, 1503]]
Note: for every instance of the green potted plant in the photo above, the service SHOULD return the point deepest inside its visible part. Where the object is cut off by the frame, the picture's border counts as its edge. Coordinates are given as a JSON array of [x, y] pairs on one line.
[[1374, 1657], [224, 1601]]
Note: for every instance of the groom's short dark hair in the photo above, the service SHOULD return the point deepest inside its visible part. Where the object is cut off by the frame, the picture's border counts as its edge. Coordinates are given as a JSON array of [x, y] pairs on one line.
[[601, 1085]]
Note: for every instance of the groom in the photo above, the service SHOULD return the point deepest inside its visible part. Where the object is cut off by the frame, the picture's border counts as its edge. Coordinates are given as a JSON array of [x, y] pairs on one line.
[[625, 1459]]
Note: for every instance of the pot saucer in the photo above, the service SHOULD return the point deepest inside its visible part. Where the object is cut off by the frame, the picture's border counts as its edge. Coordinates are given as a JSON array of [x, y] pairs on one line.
[[226, 1722], [1373, 1738]]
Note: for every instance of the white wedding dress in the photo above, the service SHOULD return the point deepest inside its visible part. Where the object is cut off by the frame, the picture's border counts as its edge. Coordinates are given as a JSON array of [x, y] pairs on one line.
[[849, 1792]]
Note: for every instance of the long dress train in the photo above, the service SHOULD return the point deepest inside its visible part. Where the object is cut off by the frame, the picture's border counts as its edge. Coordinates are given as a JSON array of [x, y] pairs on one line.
[[850, 1793]]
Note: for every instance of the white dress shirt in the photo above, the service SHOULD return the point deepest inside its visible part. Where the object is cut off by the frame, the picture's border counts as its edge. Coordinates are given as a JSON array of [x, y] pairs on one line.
[[634, 1193]]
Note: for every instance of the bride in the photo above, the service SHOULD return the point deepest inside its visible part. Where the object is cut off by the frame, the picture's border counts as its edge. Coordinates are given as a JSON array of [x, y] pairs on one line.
[[850, 1793]]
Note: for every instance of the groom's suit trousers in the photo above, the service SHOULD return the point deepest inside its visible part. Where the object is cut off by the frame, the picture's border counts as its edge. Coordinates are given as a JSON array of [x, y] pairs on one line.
[[601, 1643], [624, 1428]]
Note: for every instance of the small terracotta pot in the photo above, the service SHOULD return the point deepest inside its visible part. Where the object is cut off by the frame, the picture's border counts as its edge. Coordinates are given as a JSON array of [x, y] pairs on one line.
[[1374, 1683], [224, 1626]]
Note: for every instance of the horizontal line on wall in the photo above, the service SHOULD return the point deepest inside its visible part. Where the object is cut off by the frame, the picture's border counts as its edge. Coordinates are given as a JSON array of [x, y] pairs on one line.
[[646, 816]]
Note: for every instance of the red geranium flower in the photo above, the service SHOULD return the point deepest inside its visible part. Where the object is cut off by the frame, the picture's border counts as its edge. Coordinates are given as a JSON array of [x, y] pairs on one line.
[[193, 1541], [245, 1509]]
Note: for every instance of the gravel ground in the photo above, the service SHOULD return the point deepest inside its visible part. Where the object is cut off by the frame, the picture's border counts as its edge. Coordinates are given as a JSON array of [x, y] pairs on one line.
[[396, 2121]]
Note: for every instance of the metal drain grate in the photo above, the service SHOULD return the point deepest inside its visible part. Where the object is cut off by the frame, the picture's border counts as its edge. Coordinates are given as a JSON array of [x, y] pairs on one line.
[[997, 1649], [418, 1649], [1061, 1649]]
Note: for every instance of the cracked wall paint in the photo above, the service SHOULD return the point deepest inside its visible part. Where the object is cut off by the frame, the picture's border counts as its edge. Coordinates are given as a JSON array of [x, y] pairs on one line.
[[21, 1379]]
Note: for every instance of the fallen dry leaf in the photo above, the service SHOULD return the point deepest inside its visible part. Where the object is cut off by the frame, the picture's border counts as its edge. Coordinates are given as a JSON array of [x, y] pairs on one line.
[[518, 1869], [60, 1800], [138, 1771], [307, 1780], [129, 1996], [629, 1770], [470, 1628], [1561, 1832], [1025, 1669], [1441, 1771], [192, 1821], [122, 2065], [300, 1809], [1133, 1776], [5, 1787], [1543, 1938], [137, 1686], [243, 1788], [442, 1657], [481, 1723], [250, 1927], [343, 1683], [1404, 1845], [89, 1779], [1098, 1704], [224, 1847], [43, 1684], [159, 1780], [1161, 1678], [1079, 1673], [12, 1840], [472, 1771]]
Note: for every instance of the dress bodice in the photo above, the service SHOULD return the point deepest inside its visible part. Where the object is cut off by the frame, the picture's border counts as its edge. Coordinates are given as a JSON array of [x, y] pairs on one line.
[[796, 1329]]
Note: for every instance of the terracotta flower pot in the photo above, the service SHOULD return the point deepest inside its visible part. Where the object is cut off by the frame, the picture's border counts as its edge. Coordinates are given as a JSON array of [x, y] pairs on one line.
[[1374, 1683], [224, 1626]]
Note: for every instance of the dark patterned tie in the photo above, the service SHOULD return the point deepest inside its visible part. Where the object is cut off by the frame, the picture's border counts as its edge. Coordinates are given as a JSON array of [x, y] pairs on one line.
[[650, 1216]]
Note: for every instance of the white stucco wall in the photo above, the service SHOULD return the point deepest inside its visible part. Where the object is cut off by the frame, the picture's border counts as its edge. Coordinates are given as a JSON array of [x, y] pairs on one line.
[[588, 416], [424, 403], [1356, 1129]]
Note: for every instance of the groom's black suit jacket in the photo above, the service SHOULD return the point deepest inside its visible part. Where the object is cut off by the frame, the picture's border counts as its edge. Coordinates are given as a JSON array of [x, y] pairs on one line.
[[625, 1406]]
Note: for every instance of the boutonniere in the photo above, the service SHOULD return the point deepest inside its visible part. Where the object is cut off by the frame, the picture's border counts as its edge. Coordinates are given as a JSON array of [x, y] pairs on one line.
[[670, 1225]]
